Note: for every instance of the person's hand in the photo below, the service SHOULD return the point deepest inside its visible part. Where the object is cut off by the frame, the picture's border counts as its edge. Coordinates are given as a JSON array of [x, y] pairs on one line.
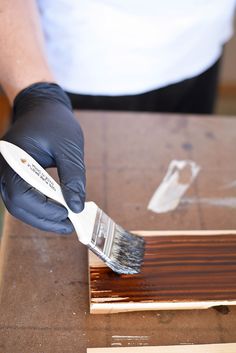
[[44, 126]]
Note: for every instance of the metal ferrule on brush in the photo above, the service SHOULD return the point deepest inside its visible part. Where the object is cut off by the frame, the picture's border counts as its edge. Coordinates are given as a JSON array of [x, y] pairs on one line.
[[103, 235]]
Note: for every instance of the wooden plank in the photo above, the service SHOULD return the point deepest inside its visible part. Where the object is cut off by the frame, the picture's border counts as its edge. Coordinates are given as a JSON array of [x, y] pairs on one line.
[[195, 270], [5, 111], [198, 348]]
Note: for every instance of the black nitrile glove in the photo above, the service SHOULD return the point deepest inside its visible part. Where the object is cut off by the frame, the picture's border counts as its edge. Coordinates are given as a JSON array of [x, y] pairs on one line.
[[44, 126]]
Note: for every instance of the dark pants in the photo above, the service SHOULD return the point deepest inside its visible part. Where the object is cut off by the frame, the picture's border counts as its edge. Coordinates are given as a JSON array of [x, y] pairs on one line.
[[195, 95]]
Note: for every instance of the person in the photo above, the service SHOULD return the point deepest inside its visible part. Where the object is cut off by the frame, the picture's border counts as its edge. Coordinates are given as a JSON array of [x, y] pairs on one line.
[[103, 54]]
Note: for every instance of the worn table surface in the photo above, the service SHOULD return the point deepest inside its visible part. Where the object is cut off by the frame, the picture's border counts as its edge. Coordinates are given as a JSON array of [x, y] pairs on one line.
[[44, 283]]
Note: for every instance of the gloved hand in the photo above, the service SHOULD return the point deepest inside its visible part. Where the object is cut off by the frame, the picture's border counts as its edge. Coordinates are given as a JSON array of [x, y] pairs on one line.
[[44, 126]]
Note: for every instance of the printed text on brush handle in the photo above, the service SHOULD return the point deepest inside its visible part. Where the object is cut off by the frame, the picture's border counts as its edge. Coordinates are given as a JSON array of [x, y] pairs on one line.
[[41, 180]]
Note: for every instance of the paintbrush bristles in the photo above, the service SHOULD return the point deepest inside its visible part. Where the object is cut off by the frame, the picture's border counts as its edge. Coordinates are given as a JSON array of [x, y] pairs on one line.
[[127, 252]]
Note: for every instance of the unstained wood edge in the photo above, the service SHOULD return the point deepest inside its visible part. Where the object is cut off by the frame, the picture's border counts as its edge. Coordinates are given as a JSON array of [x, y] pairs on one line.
[[113, 307], [196, 348]]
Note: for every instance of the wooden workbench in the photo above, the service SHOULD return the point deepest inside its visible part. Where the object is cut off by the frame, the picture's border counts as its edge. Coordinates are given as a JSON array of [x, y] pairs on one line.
[[44, 284]]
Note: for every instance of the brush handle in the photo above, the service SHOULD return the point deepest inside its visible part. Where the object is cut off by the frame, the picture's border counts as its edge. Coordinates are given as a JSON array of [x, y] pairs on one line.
[[32, 172]]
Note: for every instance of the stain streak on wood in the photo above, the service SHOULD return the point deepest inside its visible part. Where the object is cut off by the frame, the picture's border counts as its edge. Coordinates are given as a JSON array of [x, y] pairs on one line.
[[175, 268]]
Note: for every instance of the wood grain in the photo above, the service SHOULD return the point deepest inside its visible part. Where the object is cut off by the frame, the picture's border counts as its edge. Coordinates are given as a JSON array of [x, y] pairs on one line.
[[198, 348], [178, 272]]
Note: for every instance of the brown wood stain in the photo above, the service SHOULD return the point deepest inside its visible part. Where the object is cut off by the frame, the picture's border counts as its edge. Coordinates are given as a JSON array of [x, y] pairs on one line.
[[175, 268]]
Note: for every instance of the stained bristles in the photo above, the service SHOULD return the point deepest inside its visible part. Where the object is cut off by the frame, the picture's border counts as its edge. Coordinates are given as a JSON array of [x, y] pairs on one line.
[[127, 252]]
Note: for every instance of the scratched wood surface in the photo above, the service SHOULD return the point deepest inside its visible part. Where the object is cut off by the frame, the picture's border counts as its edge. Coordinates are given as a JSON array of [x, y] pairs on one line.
[[178, 272], [44, 305], [199, 348]]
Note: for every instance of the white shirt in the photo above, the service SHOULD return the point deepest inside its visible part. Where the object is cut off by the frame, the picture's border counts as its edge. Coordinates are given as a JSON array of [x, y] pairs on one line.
[[120, 47]]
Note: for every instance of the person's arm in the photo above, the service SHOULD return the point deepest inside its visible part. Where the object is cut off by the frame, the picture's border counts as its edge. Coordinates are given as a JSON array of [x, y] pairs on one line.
[[43, 121], [22, 60]]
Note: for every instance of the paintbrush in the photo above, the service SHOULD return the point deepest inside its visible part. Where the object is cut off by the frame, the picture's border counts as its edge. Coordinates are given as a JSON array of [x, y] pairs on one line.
[[121, 250]]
